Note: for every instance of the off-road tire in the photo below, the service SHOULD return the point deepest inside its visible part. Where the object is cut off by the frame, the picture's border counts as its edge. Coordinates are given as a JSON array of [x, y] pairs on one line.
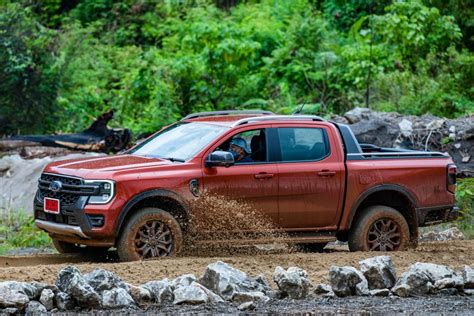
[[129, 238], [376, 219], [311, 247]]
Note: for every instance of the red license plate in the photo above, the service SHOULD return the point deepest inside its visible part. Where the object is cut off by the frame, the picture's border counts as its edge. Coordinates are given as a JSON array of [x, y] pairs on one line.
[[51, 205]]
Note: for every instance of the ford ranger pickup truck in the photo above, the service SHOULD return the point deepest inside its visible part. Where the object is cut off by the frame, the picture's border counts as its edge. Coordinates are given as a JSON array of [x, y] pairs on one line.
[[309, 176]]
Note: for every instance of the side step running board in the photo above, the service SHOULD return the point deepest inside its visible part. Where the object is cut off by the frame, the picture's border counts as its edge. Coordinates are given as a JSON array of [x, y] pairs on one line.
[[289, 240]]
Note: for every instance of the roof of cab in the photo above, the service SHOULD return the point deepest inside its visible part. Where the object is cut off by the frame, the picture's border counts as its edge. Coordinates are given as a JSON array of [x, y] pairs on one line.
[[235, 118], [225, 120]]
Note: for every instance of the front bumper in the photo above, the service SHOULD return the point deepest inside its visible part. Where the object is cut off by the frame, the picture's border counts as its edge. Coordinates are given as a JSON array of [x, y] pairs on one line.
[[428, 216], [61, 229], [73, 225]]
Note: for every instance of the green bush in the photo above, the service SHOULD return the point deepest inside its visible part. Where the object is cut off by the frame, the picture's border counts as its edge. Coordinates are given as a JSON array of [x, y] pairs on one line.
[[465, 200], [18, 230]]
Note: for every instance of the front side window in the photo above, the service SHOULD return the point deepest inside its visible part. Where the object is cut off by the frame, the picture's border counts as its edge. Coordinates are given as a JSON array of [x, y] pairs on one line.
[[247, 147], [303, 144], [179, 142]]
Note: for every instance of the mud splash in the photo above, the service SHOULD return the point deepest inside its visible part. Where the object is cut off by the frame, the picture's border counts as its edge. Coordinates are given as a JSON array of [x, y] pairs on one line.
[[222, 226]]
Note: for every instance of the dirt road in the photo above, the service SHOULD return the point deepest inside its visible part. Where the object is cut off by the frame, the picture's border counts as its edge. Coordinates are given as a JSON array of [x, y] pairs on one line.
[[43, 268]]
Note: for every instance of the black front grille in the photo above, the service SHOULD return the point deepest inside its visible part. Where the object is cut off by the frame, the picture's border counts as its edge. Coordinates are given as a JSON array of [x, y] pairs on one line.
[[66, 180], [73, 189], [64, 198]]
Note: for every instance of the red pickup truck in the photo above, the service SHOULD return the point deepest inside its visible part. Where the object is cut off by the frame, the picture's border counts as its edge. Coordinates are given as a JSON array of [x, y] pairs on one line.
[[309, 176]]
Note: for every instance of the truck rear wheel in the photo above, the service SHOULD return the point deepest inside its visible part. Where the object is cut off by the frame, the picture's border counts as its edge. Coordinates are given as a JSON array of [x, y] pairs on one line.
[[150, 233], [379, 228]]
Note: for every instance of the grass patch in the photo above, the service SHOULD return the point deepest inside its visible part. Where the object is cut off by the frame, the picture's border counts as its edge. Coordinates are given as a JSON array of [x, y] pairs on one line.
[[18, 230], [465, 201]]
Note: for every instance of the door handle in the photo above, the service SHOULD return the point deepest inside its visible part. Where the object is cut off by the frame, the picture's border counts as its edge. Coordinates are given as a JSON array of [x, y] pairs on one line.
[[263, 175], [326, 173]]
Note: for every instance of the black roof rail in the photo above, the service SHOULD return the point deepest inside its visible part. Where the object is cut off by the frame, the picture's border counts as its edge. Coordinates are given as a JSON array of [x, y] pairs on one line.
[[278, 117], [228, 112]]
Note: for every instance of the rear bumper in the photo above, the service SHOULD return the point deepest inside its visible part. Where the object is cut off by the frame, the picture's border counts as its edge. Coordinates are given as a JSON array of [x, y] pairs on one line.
[[435, 215]]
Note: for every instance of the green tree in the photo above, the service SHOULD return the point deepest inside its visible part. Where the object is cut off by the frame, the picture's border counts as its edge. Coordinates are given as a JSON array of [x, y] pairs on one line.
[[28, 78]]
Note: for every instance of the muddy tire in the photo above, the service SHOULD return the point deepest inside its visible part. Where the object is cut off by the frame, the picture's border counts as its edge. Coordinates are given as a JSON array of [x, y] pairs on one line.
[[149, 233], [379, 228], [65, 247]]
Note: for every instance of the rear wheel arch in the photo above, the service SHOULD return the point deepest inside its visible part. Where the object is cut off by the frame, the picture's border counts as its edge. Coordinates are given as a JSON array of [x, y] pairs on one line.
[[395, 196], [379, 228], [164, 199]]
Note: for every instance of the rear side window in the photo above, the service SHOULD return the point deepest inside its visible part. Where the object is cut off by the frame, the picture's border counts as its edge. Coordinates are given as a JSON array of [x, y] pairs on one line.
[[303, 144]]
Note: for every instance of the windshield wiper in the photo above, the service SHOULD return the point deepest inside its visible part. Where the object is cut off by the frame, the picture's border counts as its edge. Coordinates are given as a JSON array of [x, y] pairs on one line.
[[172, 159]]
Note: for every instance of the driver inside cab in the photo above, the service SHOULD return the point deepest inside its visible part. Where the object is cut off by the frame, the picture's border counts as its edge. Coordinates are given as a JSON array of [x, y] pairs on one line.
[[240, 151]]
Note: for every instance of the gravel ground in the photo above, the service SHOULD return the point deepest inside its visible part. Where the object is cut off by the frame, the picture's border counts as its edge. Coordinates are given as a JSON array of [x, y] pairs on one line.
[[43, 268], [455, 254], [459, 305]]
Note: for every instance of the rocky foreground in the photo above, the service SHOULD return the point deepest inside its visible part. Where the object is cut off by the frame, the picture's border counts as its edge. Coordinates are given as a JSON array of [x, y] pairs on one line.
[[226, 288]]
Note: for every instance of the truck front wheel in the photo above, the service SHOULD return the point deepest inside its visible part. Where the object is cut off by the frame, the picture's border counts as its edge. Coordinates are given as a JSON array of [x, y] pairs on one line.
[[149, 233], [379, 228]]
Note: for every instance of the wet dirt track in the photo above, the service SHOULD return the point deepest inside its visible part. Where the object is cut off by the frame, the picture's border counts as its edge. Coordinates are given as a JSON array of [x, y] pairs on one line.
[[43, 268]]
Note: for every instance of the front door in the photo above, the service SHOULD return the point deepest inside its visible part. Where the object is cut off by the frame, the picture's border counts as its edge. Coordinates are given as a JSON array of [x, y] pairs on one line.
[[251, 183], [310, 179]]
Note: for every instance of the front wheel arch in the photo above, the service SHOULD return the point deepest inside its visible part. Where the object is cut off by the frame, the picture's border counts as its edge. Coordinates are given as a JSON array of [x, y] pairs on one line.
[[142, 220], [159, 198]]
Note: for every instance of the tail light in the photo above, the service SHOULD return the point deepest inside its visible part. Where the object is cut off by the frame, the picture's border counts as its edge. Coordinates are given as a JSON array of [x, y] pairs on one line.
[[451, 178]]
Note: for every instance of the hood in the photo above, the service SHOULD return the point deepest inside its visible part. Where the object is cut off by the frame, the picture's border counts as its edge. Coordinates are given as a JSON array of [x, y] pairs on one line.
[[104, 166]]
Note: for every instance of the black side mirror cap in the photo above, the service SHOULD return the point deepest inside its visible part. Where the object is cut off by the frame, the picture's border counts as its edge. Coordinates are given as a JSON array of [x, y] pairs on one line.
[[220, 159]]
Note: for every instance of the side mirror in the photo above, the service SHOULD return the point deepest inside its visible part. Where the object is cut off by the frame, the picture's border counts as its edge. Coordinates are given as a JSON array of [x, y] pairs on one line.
[[220, 158]]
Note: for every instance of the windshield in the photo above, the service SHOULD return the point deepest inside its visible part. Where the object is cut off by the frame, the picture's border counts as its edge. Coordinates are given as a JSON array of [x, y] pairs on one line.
[[179, 142]]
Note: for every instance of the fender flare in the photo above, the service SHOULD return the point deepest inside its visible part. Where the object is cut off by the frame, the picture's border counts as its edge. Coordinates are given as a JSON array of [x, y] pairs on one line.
[[383, 187], [145, 195]]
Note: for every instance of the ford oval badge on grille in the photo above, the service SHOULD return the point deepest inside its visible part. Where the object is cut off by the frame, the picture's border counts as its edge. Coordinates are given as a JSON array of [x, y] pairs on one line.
[[56, 186]]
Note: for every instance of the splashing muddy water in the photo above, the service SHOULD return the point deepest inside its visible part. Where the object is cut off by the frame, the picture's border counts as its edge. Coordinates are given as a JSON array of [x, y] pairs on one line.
[[221, 226]]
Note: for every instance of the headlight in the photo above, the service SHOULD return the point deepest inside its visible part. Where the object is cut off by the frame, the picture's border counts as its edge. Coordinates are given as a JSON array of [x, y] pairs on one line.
[[106, 191]]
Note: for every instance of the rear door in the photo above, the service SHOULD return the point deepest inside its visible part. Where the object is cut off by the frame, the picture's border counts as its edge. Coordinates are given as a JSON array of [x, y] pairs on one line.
[[253, 183], [310, 177]]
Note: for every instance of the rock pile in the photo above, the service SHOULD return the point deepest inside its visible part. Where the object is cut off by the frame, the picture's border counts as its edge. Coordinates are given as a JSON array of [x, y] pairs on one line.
[[427, 132], [222, 284], [452, 233], [379, 276]]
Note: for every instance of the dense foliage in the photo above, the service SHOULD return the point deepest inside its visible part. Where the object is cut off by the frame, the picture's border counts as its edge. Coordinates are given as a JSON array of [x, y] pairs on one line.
[[64, 62]]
